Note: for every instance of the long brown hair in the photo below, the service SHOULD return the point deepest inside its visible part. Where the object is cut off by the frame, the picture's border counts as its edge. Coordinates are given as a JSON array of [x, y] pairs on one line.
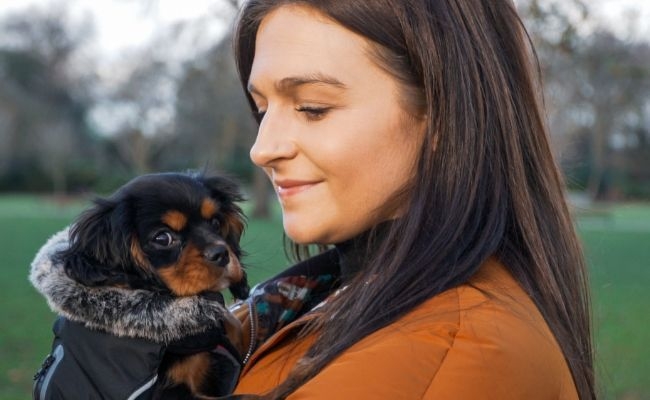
[[485, 184]]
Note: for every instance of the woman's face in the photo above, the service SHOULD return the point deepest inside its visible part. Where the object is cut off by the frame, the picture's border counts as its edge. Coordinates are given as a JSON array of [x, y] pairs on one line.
[[334, 139]]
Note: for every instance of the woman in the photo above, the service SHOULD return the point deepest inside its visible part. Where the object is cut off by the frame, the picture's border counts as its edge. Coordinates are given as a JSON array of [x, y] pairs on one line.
[[424, 114], [409, 135]]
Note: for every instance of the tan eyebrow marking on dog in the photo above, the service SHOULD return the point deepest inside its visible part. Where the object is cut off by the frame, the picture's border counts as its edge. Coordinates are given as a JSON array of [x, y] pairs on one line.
[[175, 220], [208, 208]]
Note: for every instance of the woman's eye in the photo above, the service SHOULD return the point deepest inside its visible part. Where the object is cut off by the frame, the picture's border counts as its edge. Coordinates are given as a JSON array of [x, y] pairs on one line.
[[164, 239], [313, 113]]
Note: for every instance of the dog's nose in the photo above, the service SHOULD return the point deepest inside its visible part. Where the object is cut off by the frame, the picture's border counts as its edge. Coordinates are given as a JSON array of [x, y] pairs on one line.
[[217, 254]]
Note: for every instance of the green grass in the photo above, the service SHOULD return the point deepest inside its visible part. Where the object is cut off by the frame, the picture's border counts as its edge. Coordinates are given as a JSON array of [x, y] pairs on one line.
[[617, 245], [25, 319], [617, 248]]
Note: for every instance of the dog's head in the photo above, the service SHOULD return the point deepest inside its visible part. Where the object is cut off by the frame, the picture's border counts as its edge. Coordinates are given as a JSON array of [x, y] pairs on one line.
[[170, 231]]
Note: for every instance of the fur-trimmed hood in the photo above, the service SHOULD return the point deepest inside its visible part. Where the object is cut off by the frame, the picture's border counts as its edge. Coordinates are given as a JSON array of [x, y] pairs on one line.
[[122, 312]]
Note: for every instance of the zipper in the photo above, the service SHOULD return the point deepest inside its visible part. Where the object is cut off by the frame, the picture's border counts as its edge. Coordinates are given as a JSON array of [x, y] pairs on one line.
[[254, 352], [274, 339], [42, 377], [252, 315]]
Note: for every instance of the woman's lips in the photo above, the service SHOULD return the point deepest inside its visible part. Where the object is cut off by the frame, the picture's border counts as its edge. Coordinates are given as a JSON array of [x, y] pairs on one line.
[[288, 188]]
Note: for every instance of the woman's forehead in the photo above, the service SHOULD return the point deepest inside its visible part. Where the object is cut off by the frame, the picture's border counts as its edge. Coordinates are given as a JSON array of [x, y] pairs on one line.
[[296, 44]]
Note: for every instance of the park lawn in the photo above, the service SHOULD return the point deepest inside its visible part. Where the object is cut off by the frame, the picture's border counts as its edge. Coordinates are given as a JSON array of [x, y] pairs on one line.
[[25, 319], [620, 277], [617, 247]]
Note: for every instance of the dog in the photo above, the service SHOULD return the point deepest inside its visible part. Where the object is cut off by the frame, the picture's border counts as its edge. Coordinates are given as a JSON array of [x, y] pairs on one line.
[[173, 233]]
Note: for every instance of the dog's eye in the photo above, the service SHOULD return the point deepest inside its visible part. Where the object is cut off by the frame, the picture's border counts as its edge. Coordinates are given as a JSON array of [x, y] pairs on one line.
[[163, 238]]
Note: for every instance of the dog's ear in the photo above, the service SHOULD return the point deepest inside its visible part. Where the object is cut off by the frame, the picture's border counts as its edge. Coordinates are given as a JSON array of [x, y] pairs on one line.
[[226, 192], [222, 189], [99, 244]]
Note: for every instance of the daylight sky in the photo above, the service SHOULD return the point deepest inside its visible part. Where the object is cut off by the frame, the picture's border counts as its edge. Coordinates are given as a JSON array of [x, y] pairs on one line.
[[123, 28], [128, 24]]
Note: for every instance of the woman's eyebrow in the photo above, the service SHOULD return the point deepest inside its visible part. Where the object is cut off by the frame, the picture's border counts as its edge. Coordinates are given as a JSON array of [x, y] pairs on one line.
[[290, 83]]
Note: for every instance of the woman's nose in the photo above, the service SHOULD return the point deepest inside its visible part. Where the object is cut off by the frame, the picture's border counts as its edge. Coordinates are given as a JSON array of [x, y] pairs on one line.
[[273, 143]]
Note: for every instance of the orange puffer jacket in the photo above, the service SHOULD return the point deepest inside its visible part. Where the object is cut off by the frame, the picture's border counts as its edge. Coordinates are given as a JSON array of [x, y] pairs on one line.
[[483, 340]]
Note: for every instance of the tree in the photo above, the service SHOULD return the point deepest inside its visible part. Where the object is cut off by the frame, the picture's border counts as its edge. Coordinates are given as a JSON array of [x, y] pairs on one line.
[[136, 114], [616, 89], [213, 122], [42, 100], [597, 96], [204, 113]]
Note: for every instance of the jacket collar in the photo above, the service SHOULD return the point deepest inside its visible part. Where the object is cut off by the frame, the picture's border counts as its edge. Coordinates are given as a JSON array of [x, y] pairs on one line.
[[138, 313]]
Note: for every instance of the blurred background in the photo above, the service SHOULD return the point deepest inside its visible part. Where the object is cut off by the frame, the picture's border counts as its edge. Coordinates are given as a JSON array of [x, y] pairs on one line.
[[94, 92]]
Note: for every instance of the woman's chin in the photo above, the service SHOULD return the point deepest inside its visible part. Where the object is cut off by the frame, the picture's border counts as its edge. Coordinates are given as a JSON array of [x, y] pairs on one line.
[[299, 236], [301, 231]]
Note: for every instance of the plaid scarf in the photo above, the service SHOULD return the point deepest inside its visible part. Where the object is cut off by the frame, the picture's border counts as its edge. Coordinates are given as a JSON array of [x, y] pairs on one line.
[[277, 302]]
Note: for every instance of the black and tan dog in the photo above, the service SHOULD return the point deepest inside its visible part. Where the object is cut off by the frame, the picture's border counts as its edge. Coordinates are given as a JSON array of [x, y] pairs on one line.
[[169, 233]]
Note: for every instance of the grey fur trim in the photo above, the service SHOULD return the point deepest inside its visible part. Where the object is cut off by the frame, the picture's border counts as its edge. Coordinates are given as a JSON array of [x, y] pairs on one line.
[[122, 312]]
